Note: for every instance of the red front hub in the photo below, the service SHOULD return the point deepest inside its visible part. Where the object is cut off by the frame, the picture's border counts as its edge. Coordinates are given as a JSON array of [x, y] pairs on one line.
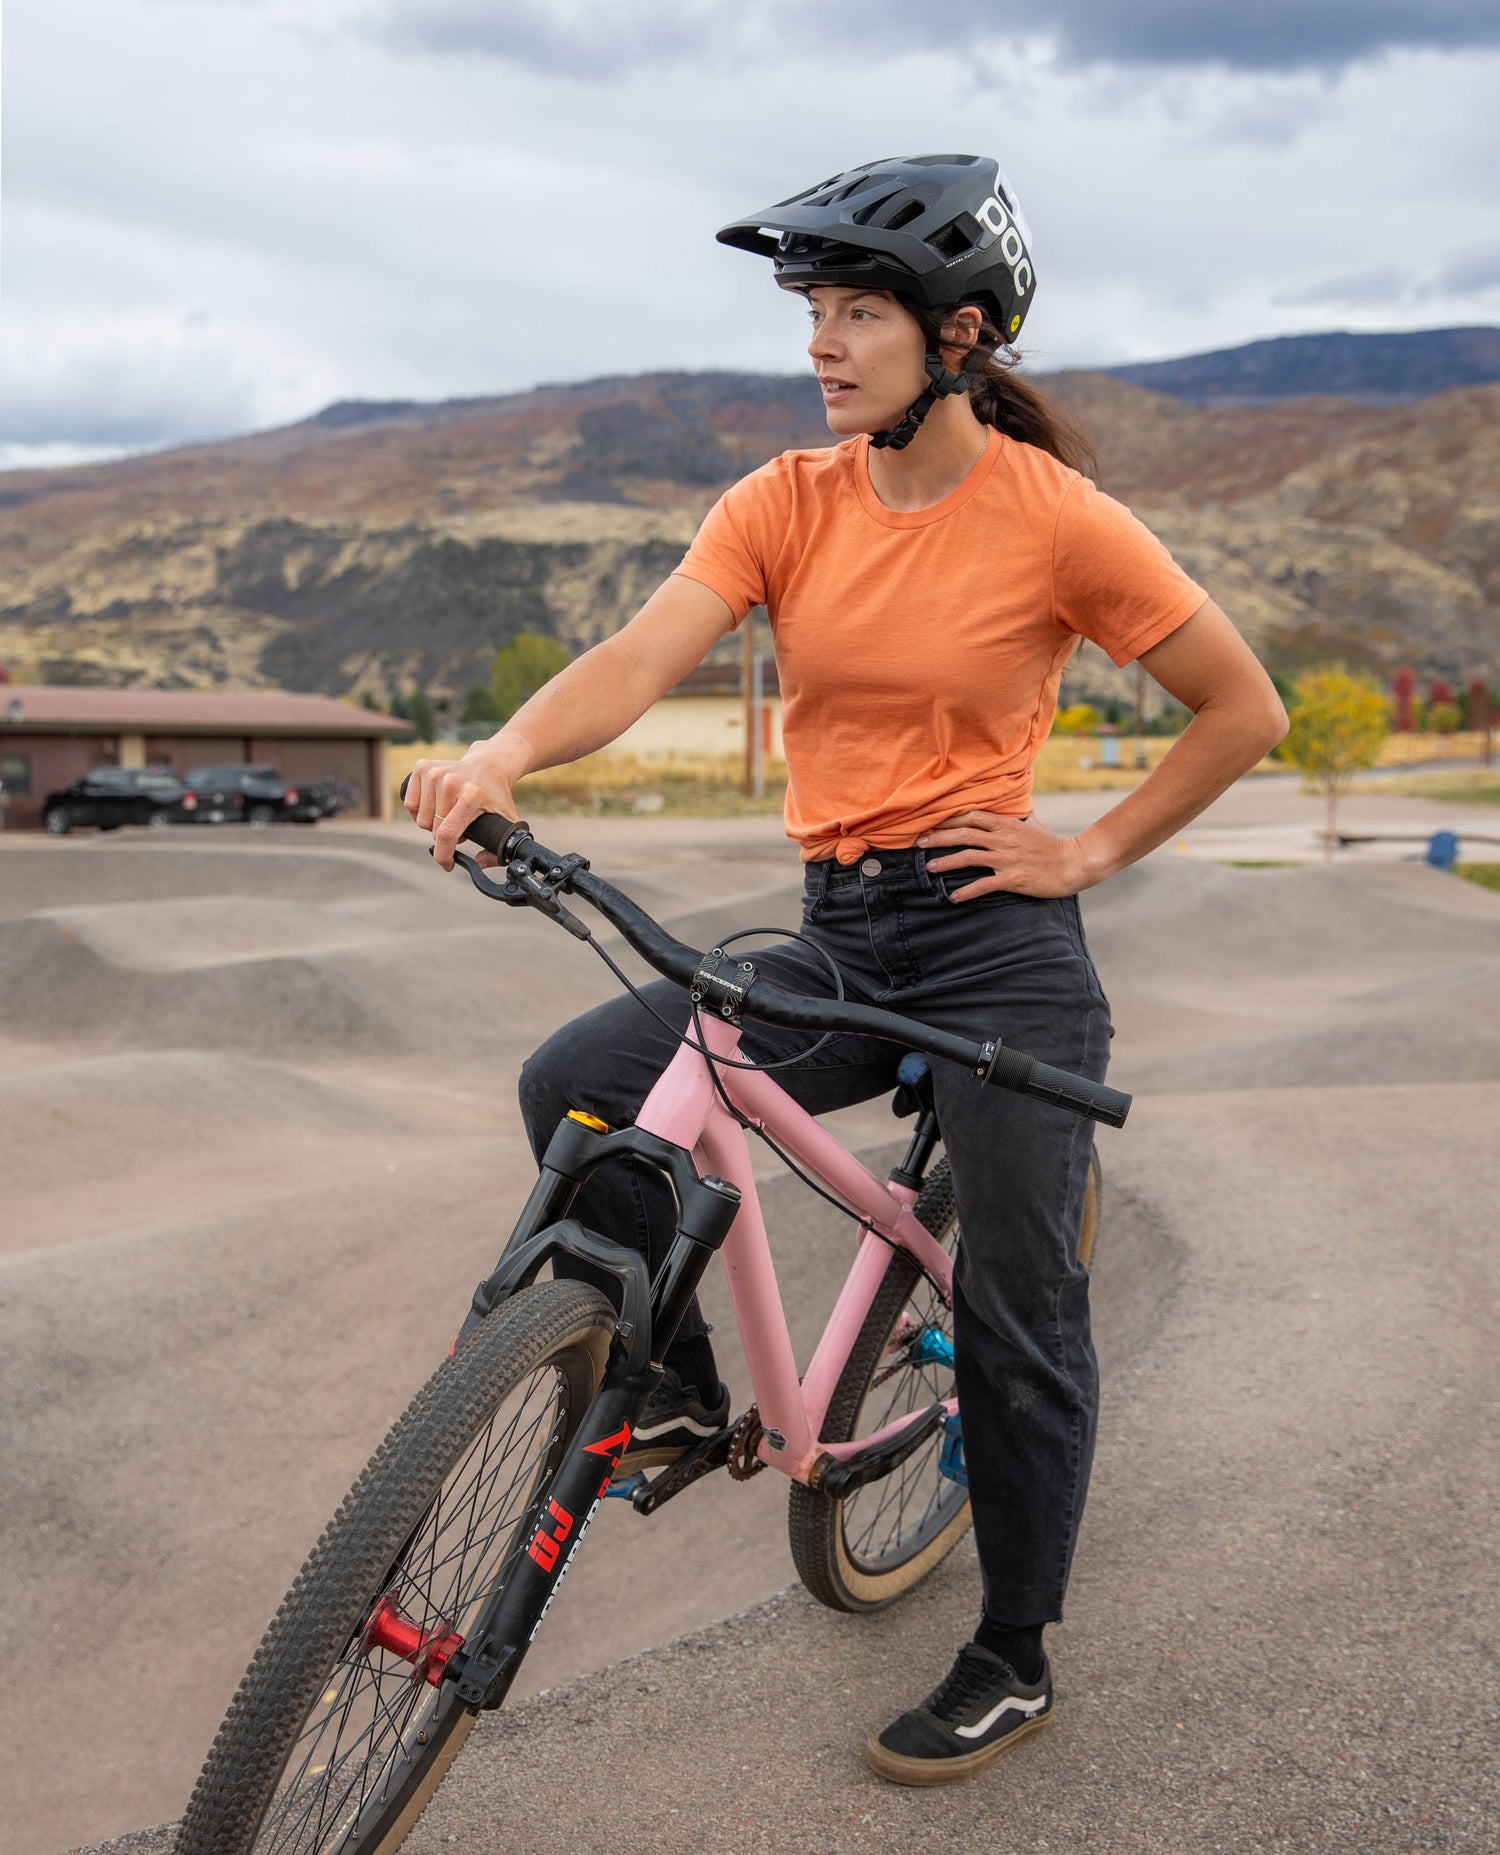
[[428, 1651]]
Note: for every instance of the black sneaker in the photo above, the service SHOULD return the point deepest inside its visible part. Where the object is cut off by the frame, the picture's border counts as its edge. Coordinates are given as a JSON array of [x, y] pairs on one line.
[[674, 1419], [981, 1708]]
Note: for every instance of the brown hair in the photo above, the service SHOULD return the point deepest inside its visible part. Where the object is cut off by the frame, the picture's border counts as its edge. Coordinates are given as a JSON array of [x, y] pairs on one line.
[[999, 398]]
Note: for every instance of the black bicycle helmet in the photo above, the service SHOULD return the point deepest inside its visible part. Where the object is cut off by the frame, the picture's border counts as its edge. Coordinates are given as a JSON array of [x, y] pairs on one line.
[[942, 229]]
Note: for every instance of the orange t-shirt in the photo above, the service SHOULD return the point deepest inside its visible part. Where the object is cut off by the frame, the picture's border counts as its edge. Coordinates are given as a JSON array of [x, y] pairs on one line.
[[919, 653]]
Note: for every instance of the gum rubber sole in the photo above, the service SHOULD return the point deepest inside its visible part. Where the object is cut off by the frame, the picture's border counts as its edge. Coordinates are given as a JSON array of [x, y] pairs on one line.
[[900, 1769]]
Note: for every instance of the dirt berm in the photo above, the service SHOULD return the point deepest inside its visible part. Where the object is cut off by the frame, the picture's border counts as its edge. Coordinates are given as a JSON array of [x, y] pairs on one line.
[[230, 1257]]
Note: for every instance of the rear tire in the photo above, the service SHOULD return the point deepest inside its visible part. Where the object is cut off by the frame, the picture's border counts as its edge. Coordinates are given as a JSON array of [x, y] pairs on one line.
[[335, 1742], [863, 1550], [850, 1551], [59, 821]]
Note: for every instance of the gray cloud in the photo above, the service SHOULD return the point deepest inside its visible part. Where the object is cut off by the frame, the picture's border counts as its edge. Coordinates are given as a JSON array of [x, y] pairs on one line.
[[232, 214], [1469, 272], [1476, 269], [122, 397], [604, 38]]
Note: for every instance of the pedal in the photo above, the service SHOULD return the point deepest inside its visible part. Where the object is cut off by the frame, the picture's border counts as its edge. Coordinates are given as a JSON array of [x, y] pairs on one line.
[[627, 1488], [702, 1459], [951, 1462]]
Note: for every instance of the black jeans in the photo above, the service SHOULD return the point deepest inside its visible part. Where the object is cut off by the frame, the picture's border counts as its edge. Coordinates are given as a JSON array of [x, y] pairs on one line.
[[1012, 964]]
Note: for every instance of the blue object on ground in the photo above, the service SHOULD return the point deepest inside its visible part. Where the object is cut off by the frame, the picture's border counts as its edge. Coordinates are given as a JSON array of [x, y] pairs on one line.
[[1442, 850], [951, 1461]]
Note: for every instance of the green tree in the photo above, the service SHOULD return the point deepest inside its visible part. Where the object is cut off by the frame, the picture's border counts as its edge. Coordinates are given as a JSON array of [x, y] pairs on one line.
[[1444, 718], [1338, 724], [522, 667], [480, 705], [419, 713]]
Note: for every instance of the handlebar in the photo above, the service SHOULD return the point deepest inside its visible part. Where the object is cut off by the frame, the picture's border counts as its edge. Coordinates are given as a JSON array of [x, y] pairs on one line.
[[537, 873]]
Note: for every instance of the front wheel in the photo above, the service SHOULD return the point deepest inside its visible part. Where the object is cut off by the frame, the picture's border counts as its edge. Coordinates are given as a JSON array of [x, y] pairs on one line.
[[343, 1726], [59, 820], [863, 1550]]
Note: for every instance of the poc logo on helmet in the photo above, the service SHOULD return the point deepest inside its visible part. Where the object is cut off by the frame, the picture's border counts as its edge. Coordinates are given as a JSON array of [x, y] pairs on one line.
[[994, 218]]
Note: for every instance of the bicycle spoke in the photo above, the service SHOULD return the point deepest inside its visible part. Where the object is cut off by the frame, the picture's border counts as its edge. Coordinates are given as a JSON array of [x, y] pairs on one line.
[[458, 1555], [886, 1520]]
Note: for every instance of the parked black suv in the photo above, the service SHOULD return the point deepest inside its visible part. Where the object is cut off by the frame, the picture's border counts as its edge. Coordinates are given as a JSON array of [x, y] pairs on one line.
[[110, 796], [243, 793]]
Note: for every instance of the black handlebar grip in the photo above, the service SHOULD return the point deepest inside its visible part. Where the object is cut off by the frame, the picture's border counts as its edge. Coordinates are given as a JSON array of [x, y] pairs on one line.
[[1078, 1094], [489, 830]]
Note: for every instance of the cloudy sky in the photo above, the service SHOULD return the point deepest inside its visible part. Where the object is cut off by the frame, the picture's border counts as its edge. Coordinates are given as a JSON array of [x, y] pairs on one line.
[[223, 214]]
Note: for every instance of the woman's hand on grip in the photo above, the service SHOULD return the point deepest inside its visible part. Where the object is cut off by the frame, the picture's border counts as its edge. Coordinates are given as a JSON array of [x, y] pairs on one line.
[[446, 796]]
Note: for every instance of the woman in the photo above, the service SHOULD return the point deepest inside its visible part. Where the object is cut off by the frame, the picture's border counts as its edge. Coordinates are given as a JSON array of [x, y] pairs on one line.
[[926, 581]]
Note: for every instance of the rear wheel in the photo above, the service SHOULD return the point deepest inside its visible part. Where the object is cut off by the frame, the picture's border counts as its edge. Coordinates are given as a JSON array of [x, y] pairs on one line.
[[343, 1726], [59, 820], [863, 1550]]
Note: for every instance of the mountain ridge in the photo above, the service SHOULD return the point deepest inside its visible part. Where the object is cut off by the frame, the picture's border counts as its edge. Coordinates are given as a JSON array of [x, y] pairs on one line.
[[1376, 369], [379, 547]]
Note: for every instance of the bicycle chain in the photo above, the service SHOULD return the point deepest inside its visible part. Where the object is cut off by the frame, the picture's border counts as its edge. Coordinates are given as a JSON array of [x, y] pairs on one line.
[[743, 1460]]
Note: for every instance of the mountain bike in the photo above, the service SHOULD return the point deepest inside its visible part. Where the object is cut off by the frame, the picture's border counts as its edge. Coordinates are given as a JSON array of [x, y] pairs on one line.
[[416, 1608]]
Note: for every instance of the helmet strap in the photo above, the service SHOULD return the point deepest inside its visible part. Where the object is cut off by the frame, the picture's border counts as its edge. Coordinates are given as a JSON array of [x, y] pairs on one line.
[[942, 385]]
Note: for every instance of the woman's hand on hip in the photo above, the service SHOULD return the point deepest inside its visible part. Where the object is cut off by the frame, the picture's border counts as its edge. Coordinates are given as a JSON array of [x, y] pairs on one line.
[[1025, 856], [446, 796]]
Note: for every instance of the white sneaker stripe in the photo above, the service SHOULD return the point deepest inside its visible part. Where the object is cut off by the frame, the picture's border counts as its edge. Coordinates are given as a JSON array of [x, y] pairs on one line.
[[1028, 1707], [676, 1423]]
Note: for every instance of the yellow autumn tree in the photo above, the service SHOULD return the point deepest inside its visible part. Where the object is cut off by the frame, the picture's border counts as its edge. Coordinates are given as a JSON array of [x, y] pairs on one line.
[[1338, 723]]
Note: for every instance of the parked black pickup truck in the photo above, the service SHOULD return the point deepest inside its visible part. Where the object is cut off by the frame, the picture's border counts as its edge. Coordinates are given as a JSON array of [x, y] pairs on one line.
[[243, 793], [110, 796]]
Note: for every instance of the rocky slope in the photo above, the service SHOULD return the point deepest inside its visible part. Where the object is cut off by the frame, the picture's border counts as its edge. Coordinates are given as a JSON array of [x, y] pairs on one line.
[[378, 548]]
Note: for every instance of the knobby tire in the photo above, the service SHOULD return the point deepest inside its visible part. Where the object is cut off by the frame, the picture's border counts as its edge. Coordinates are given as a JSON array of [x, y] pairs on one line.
[[508, 1402]]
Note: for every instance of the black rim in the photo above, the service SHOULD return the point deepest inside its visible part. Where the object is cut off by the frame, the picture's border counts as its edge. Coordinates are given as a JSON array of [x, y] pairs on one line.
[[376, 1721]]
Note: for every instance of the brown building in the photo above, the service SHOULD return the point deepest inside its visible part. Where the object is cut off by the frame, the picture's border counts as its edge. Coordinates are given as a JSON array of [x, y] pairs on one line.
[[50, 736]]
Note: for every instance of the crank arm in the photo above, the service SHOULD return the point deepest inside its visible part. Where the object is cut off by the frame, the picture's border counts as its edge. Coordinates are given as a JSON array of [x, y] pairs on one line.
[[702, 1459]]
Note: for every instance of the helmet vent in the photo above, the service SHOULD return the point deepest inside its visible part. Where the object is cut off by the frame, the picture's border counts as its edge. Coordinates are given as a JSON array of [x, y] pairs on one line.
[[952, 242], [866, 214], [903, 215]]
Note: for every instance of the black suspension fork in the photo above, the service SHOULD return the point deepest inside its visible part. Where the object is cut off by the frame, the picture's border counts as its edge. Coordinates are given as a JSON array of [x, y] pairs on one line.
[[649, 1315]]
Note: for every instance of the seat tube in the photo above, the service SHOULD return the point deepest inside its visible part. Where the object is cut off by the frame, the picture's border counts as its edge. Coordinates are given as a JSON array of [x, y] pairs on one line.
[[789, 1443]]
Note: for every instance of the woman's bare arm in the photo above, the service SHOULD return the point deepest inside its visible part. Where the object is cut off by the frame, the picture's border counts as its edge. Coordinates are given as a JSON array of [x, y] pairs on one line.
[[583, 708], [1237, 720]]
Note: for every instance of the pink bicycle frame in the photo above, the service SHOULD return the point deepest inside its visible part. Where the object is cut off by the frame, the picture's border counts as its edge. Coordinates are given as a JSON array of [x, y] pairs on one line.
[[685, 1108]]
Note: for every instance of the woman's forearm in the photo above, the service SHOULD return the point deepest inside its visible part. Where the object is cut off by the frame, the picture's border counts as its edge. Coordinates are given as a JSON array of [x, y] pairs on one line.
[[601, 693], [583, 708], [1218, 745]]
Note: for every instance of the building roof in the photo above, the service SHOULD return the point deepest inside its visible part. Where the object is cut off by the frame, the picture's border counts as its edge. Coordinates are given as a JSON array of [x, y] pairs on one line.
[[172, 711]]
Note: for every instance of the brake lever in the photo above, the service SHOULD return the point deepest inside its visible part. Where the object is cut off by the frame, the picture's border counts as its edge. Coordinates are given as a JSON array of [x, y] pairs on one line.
[[522, 888]]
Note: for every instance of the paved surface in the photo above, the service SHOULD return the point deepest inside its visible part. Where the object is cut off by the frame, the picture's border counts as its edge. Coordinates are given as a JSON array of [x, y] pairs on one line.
[[245, 1193]]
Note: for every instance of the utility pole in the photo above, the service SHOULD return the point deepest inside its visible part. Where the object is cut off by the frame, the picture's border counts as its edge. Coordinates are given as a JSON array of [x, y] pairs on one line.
[[1140, 714], [748, 669], [758, 709]]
